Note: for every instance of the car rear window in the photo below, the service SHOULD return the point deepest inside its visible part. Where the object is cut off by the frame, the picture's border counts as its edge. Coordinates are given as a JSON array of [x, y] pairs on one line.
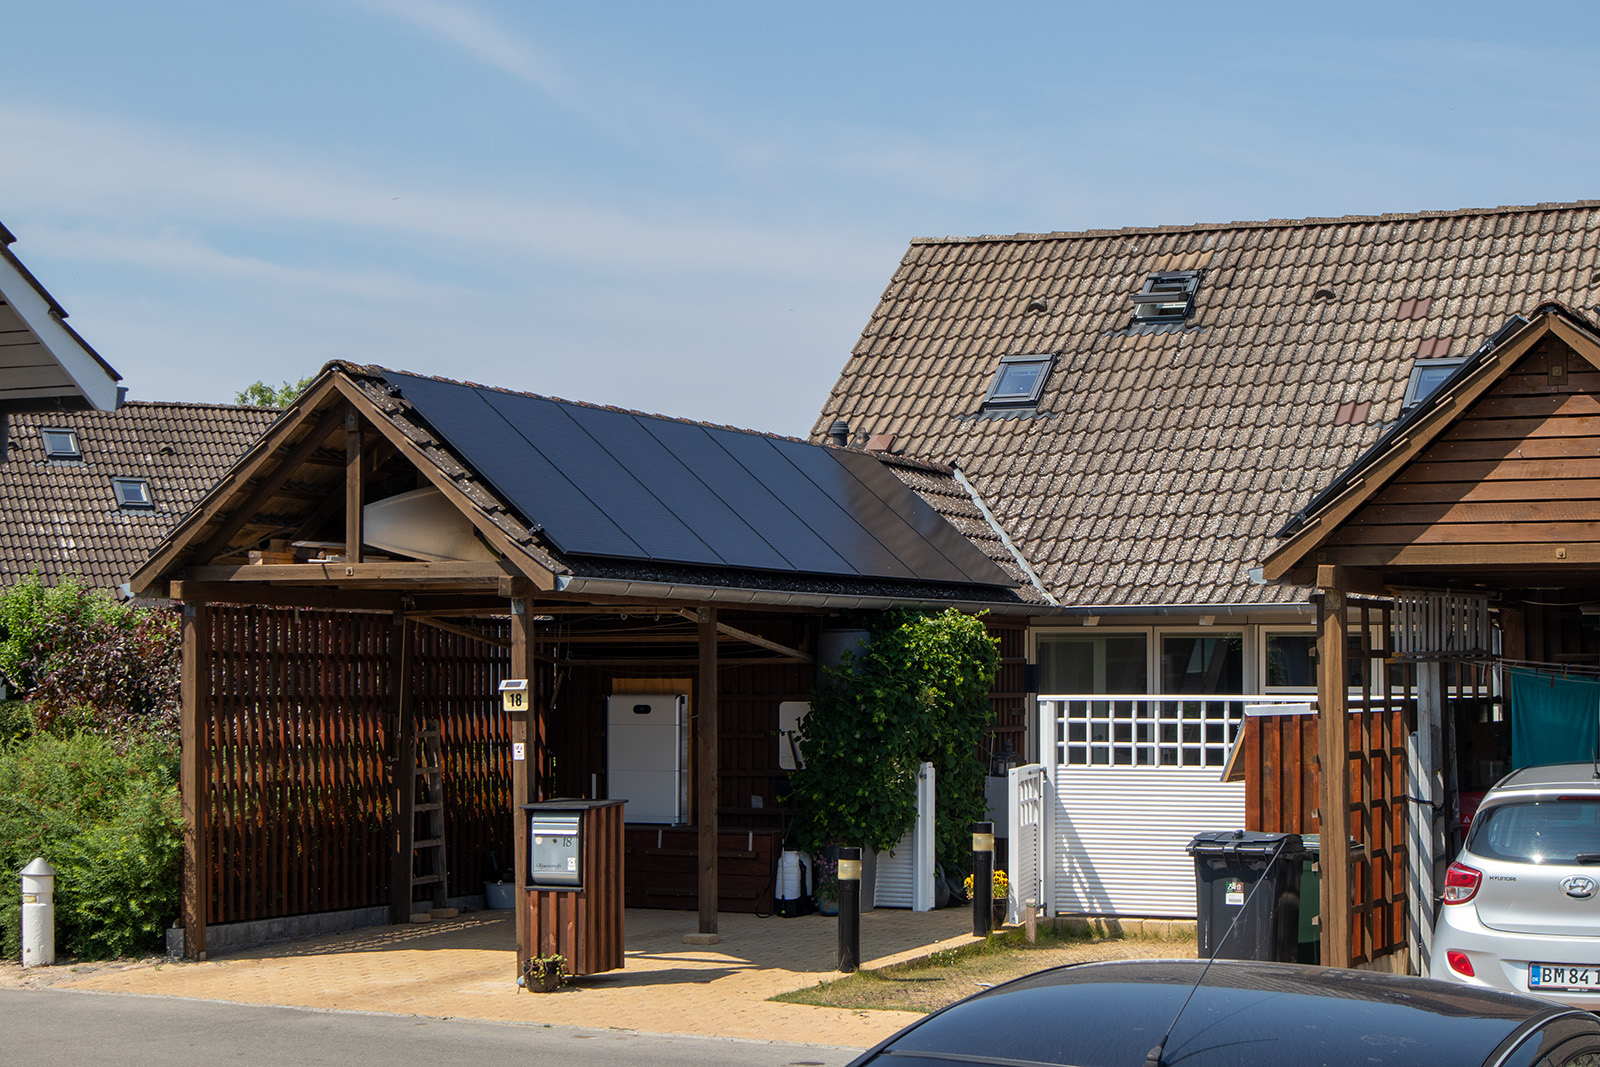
[[1539, 831]]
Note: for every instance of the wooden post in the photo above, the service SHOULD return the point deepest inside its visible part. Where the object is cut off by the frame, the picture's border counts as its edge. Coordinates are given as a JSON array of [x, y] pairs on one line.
[[523, 784], [353, 488], [706, 751], [195, 775], [403, 761], [1333, 759]]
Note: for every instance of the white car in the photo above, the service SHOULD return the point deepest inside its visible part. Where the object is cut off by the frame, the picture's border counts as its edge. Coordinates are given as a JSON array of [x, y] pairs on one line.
[[1521, 905]]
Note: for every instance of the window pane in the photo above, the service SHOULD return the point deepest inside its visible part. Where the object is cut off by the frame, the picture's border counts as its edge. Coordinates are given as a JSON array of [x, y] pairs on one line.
[[1018, 380], [1289, 661], [1196, 663], [1093, 663]]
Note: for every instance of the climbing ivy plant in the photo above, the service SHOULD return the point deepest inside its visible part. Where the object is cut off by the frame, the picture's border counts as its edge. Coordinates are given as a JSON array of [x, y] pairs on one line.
[[919, 692]]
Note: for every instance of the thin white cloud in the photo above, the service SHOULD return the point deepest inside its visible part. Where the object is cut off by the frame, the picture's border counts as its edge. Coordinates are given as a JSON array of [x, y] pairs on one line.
[[176, 253], [118, 171], [479, 35]]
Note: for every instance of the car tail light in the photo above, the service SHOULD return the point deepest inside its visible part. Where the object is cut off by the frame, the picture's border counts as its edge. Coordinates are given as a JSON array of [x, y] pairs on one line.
[[1461, 884], [1459, 963]]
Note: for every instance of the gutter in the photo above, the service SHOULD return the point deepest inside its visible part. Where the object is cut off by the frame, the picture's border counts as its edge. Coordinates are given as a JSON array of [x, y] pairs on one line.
[[1224, 611], [777, 598]]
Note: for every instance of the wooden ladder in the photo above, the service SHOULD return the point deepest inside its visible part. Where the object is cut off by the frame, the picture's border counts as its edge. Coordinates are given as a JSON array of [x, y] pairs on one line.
[[429, 878]]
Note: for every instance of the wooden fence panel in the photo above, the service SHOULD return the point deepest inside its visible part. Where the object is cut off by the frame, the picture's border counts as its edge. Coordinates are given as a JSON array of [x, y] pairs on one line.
[[301, 783]]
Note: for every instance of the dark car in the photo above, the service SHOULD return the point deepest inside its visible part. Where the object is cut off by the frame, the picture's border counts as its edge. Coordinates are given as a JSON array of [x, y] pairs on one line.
[[1241, 1015]]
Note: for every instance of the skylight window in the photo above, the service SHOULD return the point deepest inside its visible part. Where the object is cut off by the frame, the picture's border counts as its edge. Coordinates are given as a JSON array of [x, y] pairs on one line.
[[1426, 377], [61, 444], [1019, 381], [133, 494], [1167, 296]]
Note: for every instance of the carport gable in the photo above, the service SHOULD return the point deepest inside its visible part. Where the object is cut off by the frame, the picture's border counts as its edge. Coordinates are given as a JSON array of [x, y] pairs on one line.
[[559, 492], [1499, 470]]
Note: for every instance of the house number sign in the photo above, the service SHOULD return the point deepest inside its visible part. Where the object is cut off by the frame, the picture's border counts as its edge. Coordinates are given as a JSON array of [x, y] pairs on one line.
[[514, 694]]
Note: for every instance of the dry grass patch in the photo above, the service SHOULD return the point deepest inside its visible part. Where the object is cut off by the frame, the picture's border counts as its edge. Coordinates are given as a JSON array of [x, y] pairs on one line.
[[945, 977]]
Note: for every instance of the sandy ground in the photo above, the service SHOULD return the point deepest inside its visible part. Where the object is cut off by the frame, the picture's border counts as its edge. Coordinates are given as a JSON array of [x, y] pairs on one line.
[[466, 968]]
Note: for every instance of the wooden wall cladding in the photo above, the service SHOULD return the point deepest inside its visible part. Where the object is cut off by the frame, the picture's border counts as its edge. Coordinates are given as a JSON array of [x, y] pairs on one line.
[[1521, 467], [663, 867]]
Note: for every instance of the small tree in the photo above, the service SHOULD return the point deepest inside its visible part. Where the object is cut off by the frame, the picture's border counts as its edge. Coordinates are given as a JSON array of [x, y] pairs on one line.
[[260, 394], [918, 693]]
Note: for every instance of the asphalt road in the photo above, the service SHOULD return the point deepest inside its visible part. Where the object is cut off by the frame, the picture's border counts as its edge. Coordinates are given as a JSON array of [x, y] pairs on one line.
[[66, 1028]]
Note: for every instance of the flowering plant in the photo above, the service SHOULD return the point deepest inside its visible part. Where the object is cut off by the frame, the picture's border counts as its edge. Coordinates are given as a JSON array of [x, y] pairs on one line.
[[827, 879], [999, 890]]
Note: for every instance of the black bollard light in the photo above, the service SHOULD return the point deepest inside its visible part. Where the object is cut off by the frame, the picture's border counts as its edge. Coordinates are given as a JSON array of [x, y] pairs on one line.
[[982, 878], [849, 909]]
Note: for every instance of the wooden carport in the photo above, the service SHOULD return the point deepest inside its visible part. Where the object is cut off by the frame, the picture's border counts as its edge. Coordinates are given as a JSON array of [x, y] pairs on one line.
[[1474, 519], [309, 654]]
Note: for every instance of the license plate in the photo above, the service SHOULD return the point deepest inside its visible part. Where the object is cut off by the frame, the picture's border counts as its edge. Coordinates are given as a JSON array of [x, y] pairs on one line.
[[1565, 977]]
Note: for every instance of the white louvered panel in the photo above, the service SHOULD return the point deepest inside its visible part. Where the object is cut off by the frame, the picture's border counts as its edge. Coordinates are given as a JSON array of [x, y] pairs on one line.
[[1121, 832], [896, 874]]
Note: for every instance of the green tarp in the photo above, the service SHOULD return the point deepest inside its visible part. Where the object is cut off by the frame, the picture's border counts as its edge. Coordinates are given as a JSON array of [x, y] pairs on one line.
[[1553, 720]]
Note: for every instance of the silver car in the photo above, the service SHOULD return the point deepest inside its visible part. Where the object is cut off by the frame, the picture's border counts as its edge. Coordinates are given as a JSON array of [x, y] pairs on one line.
[[1522, 901]]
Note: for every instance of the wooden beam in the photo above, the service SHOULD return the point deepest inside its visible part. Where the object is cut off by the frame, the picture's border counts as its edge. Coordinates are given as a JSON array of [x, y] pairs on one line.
[[523, 784], [755, 639], [276, 596], [354, 487], [403, 762], [497, 538], [1333, 764], [707, 754], [195, 775], [464, 631], [266, 486], [335, 573]]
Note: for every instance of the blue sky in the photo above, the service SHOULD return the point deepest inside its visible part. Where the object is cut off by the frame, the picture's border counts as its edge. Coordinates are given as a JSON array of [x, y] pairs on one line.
[[691, 208]]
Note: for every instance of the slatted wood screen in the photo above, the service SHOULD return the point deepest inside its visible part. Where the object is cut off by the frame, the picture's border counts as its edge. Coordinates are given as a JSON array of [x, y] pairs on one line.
[[300, 738], [1009, 694], [1280, 759]]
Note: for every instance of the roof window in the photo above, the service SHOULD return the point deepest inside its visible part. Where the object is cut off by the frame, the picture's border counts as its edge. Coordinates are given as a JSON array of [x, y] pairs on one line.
[[1167, 296], [133, 494], [1019, 381], [61, 444], [1426, 377]]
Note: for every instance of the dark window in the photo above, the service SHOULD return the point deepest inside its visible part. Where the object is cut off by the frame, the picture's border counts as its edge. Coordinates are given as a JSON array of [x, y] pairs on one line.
[[1166, 297], [1427, 375], [133, 493], [1019, 381], [61, 444]]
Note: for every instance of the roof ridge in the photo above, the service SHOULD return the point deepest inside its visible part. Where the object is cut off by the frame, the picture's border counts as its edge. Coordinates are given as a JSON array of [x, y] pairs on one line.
[[209, 405], [1263, 224], [373, 370]]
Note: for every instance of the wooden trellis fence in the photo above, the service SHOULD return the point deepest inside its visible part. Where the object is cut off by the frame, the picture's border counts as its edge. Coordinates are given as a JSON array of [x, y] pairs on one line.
[[301, 758]]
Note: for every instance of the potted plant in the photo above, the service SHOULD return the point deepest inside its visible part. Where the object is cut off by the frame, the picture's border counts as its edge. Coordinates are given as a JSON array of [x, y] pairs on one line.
[[827, 868], [999, 892], [546, 974]]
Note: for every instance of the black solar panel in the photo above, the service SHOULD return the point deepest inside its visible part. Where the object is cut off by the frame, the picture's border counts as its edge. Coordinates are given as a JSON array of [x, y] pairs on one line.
[[609, 483]]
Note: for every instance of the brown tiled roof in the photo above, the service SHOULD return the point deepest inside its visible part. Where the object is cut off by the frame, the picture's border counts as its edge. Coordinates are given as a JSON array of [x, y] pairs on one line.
[[61, 517], [1161, 458]]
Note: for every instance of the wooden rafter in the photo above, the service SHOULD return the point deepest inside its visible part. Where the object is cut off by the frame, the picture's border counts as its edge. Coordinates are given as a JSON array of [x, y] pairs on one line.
[[754, 639]]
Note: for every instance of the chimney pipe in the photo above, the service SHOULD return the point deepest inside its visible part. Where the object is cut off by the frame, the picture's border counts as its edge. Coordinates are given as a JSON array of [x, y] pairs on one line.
[[839, 434]]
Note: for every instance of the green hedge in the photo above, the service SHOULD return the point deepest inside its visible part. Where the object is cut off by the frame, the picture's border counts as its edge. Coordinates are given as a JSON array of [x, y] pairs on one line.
[[109, 821]]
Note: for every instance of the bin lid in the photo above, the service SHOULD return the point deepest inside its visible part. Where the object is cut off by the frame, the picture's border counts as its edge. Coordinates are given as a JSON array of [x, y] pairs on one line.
[[1252, 843]]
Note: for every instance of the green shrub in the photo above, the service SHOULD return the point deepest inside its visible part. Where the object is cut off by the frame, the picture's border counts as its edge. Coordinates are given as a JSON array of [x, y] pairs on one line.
[[107, 817], [83, 659], [919, 692]]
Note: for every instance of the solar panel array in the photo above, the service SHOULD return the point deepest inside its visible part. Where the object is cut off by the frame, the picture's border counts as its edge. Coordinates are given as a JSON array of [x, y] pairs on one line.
[[608, 483]]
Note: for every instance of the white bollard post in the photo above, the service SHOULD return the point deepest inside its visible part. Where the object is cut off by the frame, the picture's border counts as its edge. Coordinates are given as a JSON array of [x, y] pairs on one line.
[[38, 914]]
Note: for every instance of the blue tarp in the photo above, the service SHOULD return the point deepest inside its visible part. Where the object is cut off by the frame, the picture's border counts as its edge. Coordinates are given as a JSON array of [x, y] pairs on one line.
[[1553, 720]]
